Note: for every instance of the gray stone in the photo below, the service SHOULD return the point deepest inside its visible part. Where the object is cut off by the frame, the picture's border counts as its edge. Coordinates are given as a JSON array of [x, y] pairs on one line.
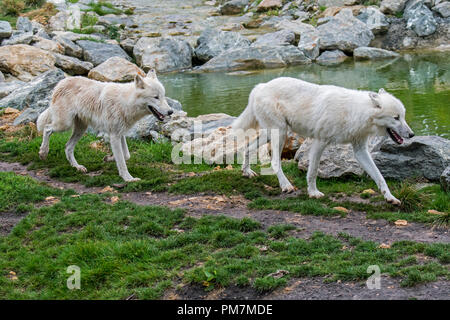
[[375, 20], [24, 24], [163, 54], [2, 77], [114, 20], [7, 87], [445, 179], [368, 53], [213, 42], [28, 115], [72, 66], [279, 38], [233, 7], [70, 47], [5, 29], [128, 45], [420, 18], [336, 3], [296, 26], [331, 58], [422, 156], [309, 44], [98, 52], [58, 21], [392, 6], [19, 37], [344, 32], [256, 58], [34, 94], [443, 9]]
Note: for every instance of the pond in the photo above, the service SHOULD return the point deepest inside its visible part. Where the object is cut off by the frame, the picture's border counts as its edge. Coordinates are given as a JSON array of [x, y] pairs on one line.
[[420, 81]]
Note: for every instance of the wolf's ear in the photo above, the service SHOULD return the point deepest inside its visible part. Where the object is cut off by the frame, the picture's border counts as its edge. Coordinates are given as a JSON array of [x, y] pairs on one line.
[[151, 74], [375, 97], [139, 82], [381, 91]]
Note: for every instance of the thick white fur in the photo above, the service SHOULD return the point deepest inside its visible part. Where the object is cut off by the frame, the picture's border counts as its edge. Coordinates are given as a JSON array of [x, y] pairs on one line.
[[329, 114], [112, 108]]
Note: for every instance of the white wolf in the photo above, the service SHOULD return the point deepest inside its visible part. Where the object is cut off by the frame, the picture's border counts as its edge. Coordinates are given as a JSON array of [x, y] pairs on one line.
[[112, 108], [328, 114]]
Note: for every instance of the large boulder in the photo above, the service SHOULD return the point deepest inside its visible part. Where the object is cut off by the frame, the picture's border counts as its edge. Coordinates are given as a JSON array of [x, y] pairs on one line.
[[375, 20], [24, 24], [233, 7], [265, 5], [297, 27], [392, 6], [420, 18], [7, 87], [331, 58], [72, 66], [443, 9], [34, 94], [279, 38], [369, 53], [25, 62], [445, 179], [99, 52], [213, 42], [163, 54], [48, 45], [70, 47], [5, 29], [115, 69], [422, 156], [309, 44], [344, 32], [256, 58], [18, 37]]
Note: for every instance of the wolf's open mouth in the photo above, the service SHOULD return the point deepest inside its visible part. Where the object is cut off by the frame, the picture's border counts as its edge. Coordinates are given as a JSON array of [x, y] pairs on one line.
[[394, 136], [157, 114]]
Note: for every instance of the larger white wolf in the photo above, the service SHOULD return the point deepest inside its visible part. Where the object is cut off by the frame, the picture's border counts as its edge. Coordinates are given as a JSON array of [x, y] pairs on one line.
[[112, 108], [329, 114]]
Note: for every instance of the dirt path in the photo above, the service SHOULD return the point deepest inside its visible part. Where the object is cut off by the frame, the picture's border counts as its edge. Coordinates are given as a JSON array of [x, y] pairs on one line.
[[355, 223]]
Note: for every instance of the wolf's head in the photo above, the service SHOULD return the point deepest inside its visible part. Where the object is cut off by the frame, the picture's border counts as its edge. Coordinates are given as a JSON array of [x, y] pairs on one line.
[[151, 96], [390, 116]]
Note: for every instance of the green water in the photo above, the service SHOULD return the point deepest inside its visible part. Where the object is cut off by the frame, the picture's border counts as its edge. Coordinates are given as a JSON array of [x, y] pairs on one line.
[[421, 82]]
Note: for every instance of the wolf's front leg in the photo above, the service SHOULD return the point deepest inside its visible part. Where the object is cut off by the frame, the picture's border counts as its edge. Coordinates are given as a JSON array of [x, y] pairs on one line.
[[116, 146], [315, 153], [365, 160]]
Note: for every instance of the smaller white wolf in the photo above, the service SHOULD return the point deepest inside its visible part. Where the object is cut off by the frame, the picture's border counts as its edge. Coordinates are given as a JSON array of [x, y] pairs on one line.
[[112, 108], [328, 114]]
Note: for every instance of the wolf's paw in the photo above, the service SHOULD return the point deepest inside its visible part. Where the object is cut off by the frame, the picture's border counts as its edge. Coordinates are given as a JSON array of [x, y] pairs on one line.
[[43, 155], [108, 159], [132, 179], [393, 200], [288, 188], [81, 168], [315, 194], [249, 173]]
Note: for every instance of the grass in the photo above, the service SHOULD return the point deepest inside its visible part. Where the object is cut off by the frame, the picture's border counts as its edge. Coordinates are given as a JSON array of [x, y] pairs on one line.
[[124, 249], [38, 10]]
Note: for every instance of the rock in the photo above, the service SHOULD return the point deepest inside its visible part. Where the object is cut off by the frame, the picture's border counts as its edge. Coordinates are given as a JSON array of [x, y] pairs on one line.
[[2, 77], [298, 27], [265, 5], [73, 20], [5, 29], [70, 47], [331, 58], [48, 45], [421, 156], [279, 38], [114, 20], [163, 55], [213, 42], [98, 52], [58, 21], [25, 62], [374, 19], [309, 44], [128, 45], [24, 24], [442, 8], [115, 69], [256, 58], [335, 3], [419, 18], [18, 37], [368, 53], [392, 6], [344, 32], [7, 87], [72, 66], [445, 179], [28, 115], [233, 7], [34, 94]]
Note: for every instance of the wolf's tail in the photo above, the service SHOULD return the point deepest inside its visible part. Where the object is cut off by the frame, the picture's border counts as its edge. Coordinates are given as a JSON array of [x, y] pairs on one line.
[[43, 119], [247, 119]]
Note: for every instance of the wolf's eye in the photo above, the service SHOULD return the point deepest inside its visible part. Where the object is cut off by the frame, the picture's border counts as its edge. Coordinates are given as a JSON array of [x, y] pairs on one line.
[[397, 118], [156, 97]]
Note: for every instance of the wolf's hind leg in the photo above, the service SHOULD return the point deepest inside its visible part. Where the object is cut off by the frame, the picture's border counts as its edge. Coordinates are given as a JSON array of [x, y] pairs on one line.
[[116, 146], [366, 162], [43, 151], [277, 148], [79, 129], [251, 147], [126, 152], [314, 160]]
